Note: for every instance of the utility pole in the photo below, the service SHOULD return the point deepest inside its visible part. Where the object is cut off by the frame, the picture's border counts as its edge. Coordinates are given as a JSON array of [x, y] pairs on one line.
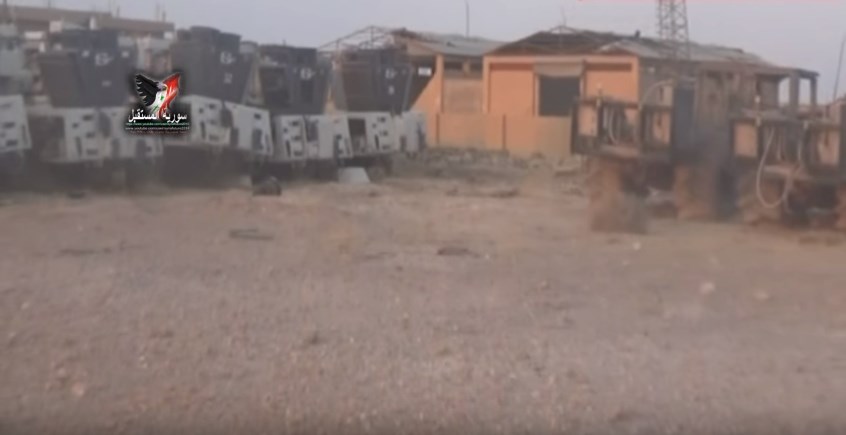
[[839, 68], [673, 28]]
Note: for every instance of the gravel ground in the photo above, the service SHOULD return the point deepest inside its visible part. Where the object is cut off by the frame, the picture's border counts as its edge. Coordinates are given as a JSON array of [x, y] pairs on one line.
[[418, 305]]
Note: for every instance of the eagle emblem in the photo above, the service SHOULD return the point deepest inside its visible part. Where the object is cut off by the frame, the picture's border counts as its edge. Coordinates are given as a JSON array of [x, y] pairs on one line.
[[157, 95]]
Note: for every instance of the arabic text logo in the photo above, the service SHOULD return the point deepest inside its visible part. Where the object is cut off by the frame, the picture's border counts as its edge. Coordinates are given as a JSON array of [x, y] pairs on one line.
[[157, 96], [154, 112]]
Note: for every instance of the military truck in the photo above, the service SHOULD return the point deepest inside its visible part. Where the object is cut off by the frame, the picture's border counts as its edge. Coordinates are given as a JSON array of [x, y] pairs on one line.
[[15, 140], [793, 158], [79, 114], [675, 136]]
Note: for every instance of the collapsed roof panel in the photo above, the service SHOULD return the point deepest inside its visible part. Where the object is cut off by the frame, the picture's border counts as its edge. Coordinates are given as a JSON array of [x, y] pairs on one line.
[[104, 20], [448, 44], [434, 43], [570, 41]]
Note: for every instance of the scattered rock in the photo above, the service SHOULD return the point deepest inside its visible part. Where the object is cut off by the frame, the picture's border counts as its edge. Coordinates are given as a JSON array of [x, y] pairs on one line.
[[456, 251], [436, 172], [619, 214], [82, 252], [78, 389], [661, 205], [623, 416], [568, 168], [375, 174], [62, 375], [833, 241], [162, 334], [573, 189], [820, 239], [249, 234], [377, 256], [706, 288], [270, 186], [818, 218], [313, 339], [637, 246], [505, 193]]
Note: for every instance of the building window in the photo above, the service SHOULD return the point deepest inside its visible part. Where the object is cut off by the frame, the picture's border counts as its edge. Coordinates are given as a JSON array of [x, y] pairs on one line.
[[557, 95]]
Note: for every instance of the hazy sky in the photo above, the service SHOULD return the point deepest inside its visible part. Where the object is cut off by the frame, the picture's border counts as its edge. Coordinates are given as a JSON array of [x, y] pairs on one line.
[[803, 33]]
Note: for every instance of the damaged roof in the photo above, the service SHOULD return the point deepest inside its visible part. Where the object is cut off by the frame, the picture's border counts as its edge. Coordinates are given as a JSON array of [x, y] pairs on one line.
[[449, 44], [104, 20], [567, 40]]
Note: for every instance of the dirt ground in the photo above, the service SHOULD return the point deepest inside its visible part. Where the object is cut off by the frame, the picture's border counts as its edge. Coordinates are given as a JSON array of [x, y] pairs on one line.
[[417, 305]]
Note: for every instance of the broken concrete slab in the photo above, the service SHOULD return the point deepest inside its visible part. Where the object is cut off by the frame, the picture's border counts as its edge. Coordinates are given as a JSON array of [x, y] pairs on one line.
[[353, 175]]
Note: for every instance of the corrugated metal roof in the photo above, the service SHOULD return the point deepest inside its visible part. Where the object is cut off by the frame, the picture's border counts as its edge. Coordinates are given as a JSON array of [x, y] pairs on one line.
[[656, 49], [567, 40], [450, 44], [133, 25], [105, 20]]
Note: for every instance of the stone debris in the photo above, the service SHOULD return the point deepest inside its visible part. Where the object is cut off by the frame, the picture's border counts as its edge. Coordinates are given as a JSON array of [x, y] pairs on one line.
[[250, 234], [353, 175]]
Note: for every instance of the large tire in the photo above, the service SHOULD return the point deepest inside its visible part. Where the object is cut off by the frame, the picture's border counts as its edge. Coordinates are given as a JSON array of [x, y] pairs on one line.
[[612, 208], [752, 211]]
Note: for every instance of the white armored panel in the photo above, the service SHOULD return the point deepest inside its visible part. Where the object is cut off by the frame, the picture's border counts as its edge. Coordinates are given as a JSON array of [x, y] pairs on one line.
[[219, 125], [372, 133], [67, 135], [315, 137], [289, 138], [207, 124], [411, 132], [84, 135], [128, 146], [14, 130], [252, 130], [329, 137], [383, 133]]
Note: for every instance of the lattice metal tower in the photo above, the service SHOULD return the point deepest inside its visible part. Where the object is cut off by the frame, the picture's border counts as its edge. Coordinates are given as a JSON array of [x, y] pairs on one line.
[[672, 26]]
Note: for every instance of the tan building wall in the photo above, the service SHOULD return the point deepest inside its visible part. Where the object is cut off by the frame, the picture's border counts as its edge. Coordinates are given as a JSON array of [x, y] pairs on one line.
[[510, 88], [500, 111], [429, 99], [520, 135], [511, 82], [462, 95], [509, 117], [450, 93]]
